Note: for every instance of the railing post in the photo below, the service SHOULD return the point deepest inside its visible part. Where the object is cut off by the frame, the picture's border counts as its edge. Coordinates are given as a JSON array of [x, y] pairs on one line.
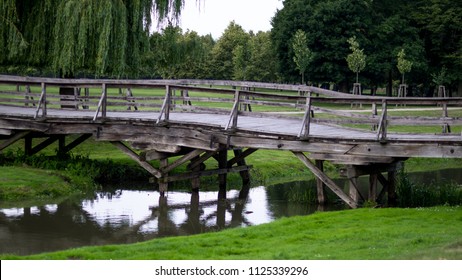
[[446, 126], [382, 130], [305, 130], [102, 104], [232, 123], [42, 102], [165, 110], [104, 98]]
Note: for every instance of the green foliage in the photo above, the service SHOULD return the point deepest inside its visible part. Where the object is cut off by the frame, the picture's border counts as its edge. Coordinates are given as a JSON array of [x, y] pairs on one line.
[[97, 171], [412, 195], [404, 65], [107, 37], [302, 54], [356, 59], [440, 78], [224, 50]]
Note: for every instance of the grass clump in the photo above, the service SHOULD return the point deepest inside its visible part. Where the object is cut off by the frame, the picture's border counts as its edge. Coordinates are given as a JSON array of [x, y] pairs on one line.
[[427, 195]]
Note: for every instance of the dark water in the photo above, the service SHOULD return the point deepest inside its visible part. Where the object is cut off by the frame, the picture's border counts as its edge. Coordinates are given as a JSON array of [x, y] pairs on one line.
[[127, 216]]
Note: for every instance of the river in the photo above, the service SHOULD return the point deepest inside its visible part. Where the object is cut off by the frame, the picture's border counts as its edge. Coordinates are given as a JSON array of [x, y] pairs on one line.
[[124, 216]]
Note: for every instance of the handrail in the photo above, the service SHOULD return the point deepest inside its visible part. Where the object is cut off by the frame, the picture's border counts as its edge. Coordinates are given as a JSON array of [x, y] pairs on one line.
[[293, 102]]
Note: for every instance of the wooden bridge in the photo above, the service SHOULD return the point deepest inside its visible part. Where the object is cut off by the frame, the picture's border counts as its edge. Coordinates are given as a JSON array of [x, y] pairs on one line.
[[188, 122]]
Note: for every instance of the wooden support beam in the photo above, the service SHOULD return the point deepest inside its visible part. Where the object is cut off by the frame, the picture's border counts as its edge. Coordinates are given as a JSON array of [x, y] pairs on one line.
[[182, 160], [30, 150], [320, 184], [354, 190], [16, 137], [197, 161], [238, 154], [373, 187], [323, 177], [392, 197], [153, 171], [76, 142], [222, 158], [241, 156], [163, 186], [195, 174]]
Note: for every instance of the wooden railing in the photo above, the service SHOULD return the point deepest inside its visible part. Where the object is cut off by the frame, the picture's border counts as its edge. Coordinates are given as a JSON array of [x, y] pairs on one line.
[[160, 98]]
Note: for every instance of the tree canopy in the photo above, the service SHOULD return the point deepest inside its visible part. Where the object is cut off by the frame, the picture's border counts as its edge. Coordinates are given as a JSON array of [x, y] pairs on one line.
[[103, 37]]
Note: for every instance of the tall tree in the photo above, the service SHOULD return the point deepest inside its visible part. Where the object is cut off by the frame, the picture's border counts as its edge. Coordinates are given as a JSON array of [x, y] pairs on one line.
[[262, 65], [302, 54], [224, 50], [104, 37]]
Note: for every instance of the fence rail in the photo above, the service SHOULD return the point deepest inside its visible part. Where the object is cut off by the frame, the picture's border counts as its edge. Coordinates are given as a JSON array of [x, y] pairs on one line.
[[161, 97]]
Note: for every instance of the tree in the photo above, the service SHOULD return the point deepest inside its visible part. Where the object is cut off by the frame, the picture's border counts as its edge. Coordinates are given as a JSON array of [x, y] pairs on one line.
[[302, 54], [224, 51], [262, 66], [106, 37], [327, 27], [356, 59], [404, 65]]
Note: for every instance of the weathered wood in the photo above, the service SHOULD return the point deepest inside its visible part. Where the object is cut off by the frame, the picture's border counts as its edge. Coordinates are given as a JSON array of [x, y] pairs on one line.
[[323, 177], [354, 190], [305, 129], [30, 150], [195, 174], [373, 187], [136, 158], [320, 184], [181, 160], [16, 137], [75, 143], [241, 155]]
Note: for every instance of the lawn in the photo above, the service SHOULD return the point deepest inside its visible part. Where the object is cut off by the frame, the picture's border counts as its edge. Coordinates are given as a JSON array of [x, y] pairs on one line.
[[361, 234]]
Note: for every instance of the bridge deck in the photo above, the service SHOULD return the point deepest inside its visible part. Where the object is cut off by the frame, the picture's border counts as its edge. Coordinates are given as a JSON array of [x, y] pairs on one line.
[[266, 125]]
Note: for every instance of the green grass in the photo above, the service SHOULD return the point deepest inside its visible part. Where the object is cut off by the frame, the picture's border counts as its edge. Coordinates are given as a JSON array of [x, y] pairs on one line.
[[424, 233], [26, 183]]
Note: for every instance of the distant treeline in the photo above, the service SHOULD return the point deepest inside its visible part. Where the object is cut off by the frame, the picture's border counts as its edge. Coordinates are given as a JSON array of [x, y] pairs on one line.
[[429, 32]]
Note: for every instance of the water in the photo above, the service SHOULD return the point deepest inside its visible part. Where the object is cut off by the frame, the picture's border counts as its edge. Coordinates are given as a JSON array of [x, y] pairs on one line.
[[128, 216]]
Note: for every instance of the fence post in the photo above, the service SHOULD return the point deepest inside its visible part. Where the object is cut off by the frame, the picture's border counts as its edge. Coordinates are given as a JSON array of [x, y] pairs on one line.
[[102, 104], [165, 110], [382, 130], [446, 126], [232, 123], [42, 102], [305, 130]]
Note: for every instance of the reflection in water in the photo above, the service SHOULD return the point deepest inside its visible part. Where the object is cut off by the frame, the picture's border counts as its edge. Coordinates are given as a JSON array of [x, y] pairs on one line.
[[127, 216]]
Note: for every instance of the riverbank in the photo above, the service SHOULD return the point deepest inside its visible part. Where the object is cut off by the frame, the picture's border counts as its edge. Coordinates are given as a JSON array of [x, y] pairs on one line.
[[95, 163], [361, 234]]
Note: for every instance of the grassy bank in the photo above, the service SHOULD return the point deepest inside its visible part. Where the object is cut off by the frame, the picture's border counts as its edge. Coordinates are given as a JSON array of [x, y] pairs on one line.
[[423, 233], [31, 183]]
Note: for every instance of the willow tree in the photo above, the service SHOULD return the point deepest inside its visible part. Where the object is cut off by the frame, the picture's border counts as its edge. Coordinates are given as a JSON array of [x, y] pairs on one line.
[[102, 37]]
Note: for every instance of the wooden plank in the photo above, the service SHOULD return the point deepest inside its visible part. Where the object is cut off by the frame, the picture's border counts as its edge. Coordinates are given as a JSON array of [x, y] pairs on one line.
[[17, 136], [181, 160], [323, 177], [320, 184], [195, 174], [5, 131], [136, 158], [241, 156]]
